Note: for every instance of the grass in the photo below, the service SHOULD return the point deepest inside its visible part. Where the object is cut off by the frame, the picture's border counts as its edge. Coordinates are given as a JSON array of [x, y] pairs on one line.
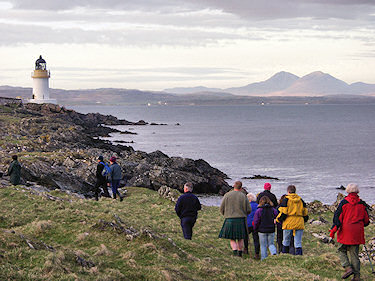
[[70, 227]]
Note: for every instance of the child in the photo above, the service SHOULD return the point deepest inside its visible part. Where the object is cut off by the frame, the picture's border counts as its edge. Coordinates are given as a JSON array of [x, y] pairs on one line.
[[264, 223]]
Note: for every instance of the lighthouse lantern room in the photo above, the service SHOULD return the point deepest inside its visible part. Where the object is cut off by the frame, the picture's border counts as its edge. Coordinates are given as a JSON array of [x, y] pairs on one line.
[[41, 82]]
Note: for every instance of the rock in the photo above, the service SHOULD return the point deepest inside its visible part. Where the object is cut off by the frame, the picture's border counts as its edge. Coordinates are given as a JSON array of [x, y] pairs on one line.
[[66, 156], [128, 133], [339, 198], [69, 163], [317, 207], [260, 177], [341, 187], [169, 193], [323, 238], [364, 256]]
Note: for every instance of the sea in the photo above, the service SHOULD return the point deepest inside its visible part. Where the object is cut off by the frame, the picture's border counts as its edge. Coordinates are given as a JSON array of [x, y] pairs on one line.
[[317, 148]]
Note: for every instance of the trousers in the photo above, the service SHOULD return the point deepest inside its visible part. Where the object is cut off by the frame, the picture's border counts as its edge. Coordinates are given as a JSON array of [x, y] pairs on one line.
[[353, 259], [187, 224]]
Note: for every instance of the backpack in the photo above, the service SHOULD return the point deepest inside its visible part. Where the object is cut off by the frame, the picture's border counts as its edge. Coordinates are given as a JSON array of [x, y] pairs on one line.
[[106, 170]]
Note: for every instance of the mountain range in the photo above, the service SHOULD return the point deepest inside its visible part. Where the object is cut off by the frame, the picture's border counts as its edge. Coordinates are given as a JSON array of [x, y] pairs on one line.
[[287, 84], [281, 88]]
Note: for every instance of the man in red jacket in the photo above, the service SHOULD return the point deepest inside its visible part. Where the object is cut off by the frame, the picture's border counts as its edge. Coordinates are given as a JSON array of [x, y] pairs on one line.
[[349, 221]]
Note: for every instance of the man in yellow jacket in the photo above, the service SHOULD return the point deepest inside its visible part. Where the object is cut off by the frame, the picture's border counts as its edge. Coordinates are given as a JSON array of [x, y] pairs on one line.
[[292, 215]]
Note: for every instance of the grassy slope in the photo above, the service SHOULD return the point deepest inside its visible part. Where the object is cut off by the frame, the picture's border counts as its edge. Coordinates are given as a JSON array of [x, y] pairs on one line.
[[68, 227]]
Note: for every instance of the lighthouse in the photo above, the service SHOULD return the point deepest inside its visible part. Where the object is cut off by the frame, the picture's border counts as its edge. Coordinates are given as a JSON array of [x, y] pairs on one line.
[[41, 82]]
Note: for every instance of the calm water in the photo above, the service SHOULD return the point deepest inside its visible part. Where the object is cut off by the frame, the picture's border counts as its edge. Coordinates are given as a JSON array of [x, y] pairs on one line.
[[315, 147]]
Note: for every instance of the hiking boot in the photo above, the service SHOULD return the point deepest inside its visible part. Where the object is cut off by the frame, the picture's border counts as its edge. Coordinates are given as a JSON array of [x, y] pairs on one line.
[[235, 253], [121, 198], [240, 254], [285, 250], [256, 257], [246, 251], [298, 251], [348, 271]]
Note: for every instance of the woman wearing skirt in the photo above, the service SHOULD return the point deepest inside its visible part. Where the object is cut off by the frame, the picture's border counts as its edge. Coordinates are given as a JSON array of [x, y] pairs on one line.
[[235, 207]]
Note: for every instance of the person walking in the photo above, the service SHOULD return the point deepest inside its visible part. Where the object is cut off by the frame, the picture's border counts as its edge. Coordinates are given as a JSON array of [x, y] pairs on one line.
[[235, 207], [264, 224], [250, 217], [187, 208], [14, 171], [279, 233], [292, 215], [349, 221], [101, 180], [267, 192], [115, 177]]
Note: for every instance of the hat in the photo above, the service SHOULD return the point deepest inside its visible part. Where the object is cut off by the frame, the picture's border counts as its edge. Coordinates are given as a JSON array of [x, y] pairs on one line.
[[267, 186], [113, 159], [100, 158]]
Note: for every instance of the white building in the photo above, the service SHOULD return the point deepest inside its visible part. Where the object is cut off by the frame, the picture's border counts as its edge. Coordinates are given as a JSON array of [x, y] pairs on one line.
[[41, 83]]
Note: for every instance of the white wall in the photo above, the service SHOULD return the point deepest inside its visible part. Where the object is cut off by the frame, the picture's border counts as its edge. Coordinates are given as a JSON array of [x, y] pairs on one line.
[[41, 88]]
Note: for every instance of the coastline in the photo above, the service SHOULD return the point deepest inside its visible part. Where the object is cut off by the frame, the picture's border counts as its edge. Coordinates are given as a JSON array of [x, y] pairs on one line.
[[58, 148]]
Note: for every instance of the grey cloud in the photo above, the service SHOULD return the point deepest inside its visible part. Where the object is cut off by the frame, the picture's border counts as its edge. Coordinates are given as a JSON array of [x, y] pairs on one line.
[[16, 34], [250, 9], [275, 9], [153, 5], [180, 70]]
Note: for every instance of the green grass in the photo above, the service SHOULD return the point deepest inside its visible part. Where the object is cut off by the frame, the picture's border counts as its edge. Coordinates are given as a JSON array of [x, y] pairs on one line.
[[69, 227]]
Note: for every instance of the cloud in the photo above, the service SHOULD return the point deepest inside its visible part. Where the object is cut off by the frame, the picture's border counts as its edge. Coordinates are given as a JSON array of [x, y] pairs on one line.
[[250, 9], [276, 9]]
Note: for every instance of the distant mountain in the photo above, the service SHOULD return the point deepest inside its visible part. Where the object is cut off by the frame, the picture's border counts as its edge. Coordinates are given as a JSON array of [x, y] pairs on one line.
[[287, 84], [189, 90], [276, 83], [361, 88], [316, 84], [283, 87]]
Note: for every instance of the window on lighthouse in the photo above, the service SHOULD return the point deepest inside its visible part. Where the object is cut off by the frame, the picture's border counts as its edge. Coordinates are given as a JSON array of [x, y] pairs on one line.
[[40, 66]]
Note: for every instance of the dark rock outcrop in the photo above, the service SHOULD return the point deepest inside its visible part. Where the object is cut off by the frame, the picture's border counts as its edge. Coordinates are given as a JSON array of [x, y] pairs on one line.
[[260, 177], [58, 148]]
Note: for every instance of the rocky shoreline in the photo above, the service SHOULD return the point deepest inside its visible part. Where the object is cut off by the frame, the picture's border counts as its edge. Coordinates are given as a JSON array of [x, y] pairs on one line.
[[58, 148]]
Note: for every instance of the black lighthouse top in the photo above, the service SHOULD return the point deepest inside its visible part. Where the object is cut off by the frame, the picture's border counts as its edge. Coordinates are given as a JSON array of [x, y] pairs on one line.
[[40, 64]]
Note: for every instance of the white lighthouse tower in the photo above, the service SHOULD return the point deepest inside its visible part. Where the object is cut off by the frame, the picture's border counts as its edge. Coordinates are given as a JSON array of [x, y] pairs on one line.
[[40, 83]]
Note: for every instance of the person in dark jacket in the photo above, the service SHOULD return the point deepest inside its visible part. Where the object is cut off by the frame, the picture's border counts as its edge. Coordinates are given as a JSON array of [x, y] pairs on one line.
[[101, 181], [187, 208], [267, 192], [115, 177], [264, 224], [14, 171], [349, 221], [250, 228]]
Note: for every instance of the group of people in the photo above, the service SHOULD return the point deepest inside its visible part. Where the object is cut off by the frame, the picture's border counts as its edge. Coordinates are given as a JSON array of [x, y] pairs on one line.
[[245, 214], [108, 176], [260, 215]]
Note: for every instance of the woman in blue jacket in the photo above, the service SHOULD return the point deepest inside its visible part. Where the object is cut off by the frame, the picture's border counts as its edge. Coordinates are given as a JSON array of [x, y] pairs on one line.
[[253, 204]]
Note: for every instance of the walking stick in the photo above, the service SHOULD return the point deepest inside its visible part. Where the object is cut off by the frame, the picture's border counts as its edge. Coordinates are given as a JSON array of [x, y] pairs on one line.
[[369, 258]]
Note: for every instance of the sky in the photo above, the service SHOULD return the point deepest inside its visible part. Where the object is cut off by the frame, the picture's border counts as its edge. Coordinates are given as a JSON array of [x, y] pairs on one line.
[[158, 44]]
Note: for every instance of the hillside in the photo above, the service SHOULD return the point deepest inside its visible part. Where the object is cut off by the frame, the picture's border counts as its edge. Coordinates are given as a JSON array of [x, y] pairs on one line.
[[277, 83], [52, 229], [56, 236]]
